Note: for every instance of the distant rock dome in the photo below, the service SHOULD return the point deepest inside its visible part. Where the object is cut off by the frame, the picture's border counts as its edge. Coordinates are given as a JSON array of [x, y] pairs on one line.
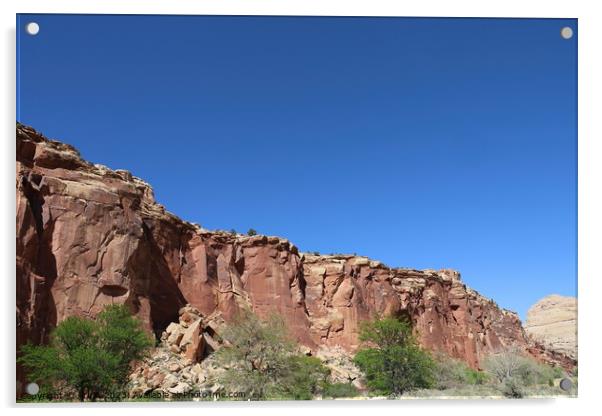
[[552, 321]]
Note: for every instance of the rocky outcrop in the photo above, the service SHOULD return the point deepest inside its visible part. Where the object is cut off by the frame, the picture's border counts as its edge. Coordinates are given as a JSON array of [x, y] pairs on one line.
[[168, 373], [88, 236], [341, 366], [552, 321], [182, 362], [342, 291], [194, 337]]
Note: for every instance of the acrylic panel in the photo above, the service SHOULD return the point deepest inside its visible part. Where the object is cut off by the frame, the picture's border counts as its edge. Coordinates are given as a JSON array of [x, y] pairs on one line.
[[291, 208]]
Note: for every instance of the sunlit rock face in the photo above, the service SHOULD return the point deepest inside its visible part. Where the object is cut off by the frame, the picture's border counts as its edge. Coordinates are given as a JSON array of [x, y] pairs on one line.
[[88, 236], [552, 321], [448, 316]]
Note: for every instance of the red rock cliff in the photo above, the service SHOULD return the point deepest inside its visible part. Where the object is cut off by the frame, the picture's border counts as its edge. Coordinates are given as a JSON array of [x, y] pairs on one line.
[[88, 236]]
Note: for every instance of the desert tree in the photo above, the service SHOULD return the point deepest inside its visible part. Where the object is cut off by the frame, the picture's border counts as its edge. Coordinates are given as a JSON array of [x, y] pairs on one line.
[[260, 359], [505, 363], [392, 361], [90, 358]]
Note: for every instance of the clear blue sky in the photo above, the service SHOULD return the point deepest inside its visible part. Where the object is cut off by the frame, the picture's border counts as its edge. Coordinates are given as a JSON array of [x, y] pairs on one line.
[[424, 143]]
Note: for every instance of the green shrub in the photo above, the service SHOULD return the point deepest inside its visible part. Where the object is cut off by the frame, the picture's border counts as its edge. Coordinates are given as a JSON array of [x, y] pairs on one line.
[[558, 372], [121, 335], [395, 364], [337, 390], [261, 360], [476, 377], [251, 232], [532, 373], [452, 373], [305, 377], [88, 359], [518, 375], [513, 388]]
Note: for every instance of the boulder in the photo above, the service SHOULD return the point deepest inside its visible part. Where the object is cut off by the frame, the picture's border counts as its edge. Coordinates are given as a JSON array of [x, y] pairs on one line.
[[180, 388]]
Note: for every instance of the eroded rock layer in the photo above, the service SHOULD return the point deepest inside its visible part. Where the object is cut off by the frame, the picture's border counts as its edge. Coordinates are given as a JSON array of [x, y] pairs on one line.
[[88, 236]]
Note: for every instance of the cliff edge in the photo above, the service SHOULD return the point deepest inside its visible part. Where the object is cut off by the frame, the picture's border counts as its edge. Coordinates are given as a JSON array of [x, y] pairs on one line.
[[88, 236]]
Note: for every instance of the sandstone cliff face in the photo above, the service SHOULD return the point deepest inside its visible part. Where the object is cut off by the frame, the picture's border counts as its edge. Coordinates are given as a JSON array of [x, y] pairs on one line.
[[88, 236], [552, 321], [342, 291]]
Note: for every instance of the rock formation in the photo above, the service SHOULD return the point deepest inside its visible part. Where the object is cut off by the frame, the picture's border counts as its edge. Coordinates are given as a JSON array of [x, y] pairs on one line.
[[181, 363], [88, 236], [193, 336], [552, 321], [341, 366], [341, 291]]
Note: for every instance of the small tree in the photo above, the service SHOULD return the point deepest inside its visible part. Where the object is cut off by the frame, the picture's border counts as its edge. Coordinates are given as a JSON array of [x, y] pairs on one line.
[[251, 232], [90, 358], [307, 376], [513, 370], [394, 363], [512, 388], [121, 335], [261, 360], [505, 364]]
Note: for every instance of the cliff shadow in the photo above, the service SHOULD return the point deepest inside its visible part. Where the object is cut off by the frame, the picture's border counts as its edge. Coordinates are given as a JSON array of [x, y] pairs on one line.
[[164, 295]]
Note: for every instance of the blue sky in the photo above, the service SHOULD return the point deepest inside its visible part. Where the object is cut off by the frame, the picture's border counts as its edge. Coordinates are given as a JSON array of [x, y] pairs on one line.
[[424, 143]]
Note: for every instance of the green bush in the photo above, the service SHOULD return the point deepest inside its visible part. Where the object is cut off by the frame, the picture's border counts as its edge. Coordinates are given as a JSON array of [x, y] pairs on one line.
[[533, 373], [512, 363], [452, 373], [513, 388], [251, 232], [394, 363], [305, 379], [518, 375], [476, 377], [261, 360], [558, 372], [88, 359], [337, 390]]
